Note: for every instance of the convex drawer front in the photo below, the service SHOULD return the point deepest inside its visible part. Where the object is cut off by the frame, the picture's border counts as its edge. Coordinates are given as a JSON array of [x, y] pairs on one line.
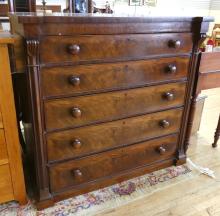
[[81, 79], [79, 111], [59, 49], [91, 139], [79, 171]]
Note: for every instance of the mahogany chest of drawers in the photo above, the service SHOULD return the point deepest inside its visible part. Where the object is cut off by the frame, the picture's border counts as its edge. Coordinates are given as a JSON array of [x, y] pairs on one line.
[[107, 98]]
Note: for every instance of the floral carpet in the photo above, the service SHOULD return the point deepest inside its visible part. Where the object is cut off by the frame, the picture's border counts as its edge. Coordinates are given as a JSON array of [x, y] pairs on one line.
[[104, 199]]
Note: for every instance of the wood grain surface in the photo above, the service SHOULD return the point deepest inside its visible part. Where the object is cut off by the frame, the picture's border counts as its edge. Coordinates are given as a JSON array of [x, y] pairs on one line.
[[104, 136], [56, 49], [62, 113], [111, 76], [110, 163]]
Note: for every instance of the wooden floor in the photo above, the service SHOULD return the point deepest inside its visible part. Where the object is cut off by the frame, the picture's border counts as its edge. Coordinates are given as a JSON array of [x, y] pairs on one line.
[[197, 196]]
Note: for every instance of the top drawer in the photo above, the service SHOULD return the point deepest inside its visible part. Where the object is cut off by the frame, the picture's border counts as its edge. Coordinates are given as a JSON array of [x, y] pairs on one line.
[[58, 49]]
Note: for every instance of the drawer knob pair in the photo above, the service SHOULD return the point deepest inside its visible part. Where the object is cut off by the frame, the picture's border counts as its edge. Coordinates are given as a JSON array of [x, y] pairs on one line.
[[77, 173], [76, 144], [164, 123], [168, 96], [75, 81], [74, 49], [76, 112], [161, 150], [171, 69], [174, 44]]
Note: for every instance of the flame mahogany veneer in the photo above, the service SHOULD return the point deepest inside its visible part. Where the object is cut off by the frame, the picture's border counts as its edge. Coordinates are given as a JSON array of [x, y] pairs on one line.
[[107, 98]]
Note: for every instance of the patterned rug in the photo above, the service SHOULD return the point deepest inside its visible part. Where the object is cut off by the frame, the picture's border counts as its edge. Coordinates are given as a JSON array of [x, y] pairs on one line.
[[104, 199]]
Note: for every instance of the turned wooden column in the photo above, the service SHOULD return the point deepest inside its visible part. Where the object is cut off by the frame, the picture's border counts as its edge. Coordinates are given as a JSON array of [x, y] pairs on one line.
[[217, 134]]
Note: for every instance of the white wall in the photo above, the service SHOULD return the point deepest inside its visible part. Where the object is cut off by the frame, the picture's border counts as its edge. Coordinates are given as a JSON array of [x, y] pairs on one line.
[[176, 7], [216, 14], [164, 7], [168, 7], [53, 2]]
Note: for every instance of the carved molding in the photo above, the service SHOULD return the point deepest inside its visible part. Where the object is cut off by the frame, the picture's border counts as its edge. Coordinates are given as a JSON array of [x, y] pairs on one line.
[[33, 52]]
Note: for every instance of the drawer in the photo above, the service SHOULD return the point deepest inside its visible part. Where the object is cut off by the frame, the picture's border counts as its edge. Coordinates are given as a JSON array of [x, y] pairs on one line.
[[87, 140], [5, 184], [110, 163], [79, 111], [59, 49], [84, 79]]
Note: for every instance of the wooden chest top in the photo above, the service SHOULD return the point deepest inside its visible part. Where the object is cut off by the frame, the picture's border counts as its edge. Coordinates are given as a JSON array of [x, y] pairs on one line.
[[32, 24]]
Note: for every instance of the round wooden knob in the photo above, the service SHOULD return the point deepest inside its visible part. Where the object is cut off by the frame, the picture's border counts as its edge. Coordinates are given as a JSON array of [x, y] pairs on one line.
[[77, 173], [75, 81], [164, 124], [169, 96], [161, 150], [76, 112], [172, 69], [76, 144], [175, 43], [74, 49]]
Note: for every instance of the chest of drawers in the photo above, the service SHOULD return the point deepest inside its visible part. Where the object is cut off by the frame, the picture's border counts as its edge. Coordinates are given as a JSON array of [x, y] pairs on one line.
[[107, 98]]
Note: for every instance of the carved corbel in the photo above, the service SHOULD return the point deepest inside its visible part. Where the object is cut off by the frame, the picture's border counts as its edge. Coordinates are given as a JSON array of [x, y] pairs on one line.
[[32, 52]]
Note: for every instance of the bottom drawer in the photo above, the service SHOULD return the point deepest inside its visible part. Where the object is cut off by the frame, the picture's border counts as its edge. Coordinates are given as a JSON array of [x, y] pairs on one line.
[[6, 190], [106, 164]]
